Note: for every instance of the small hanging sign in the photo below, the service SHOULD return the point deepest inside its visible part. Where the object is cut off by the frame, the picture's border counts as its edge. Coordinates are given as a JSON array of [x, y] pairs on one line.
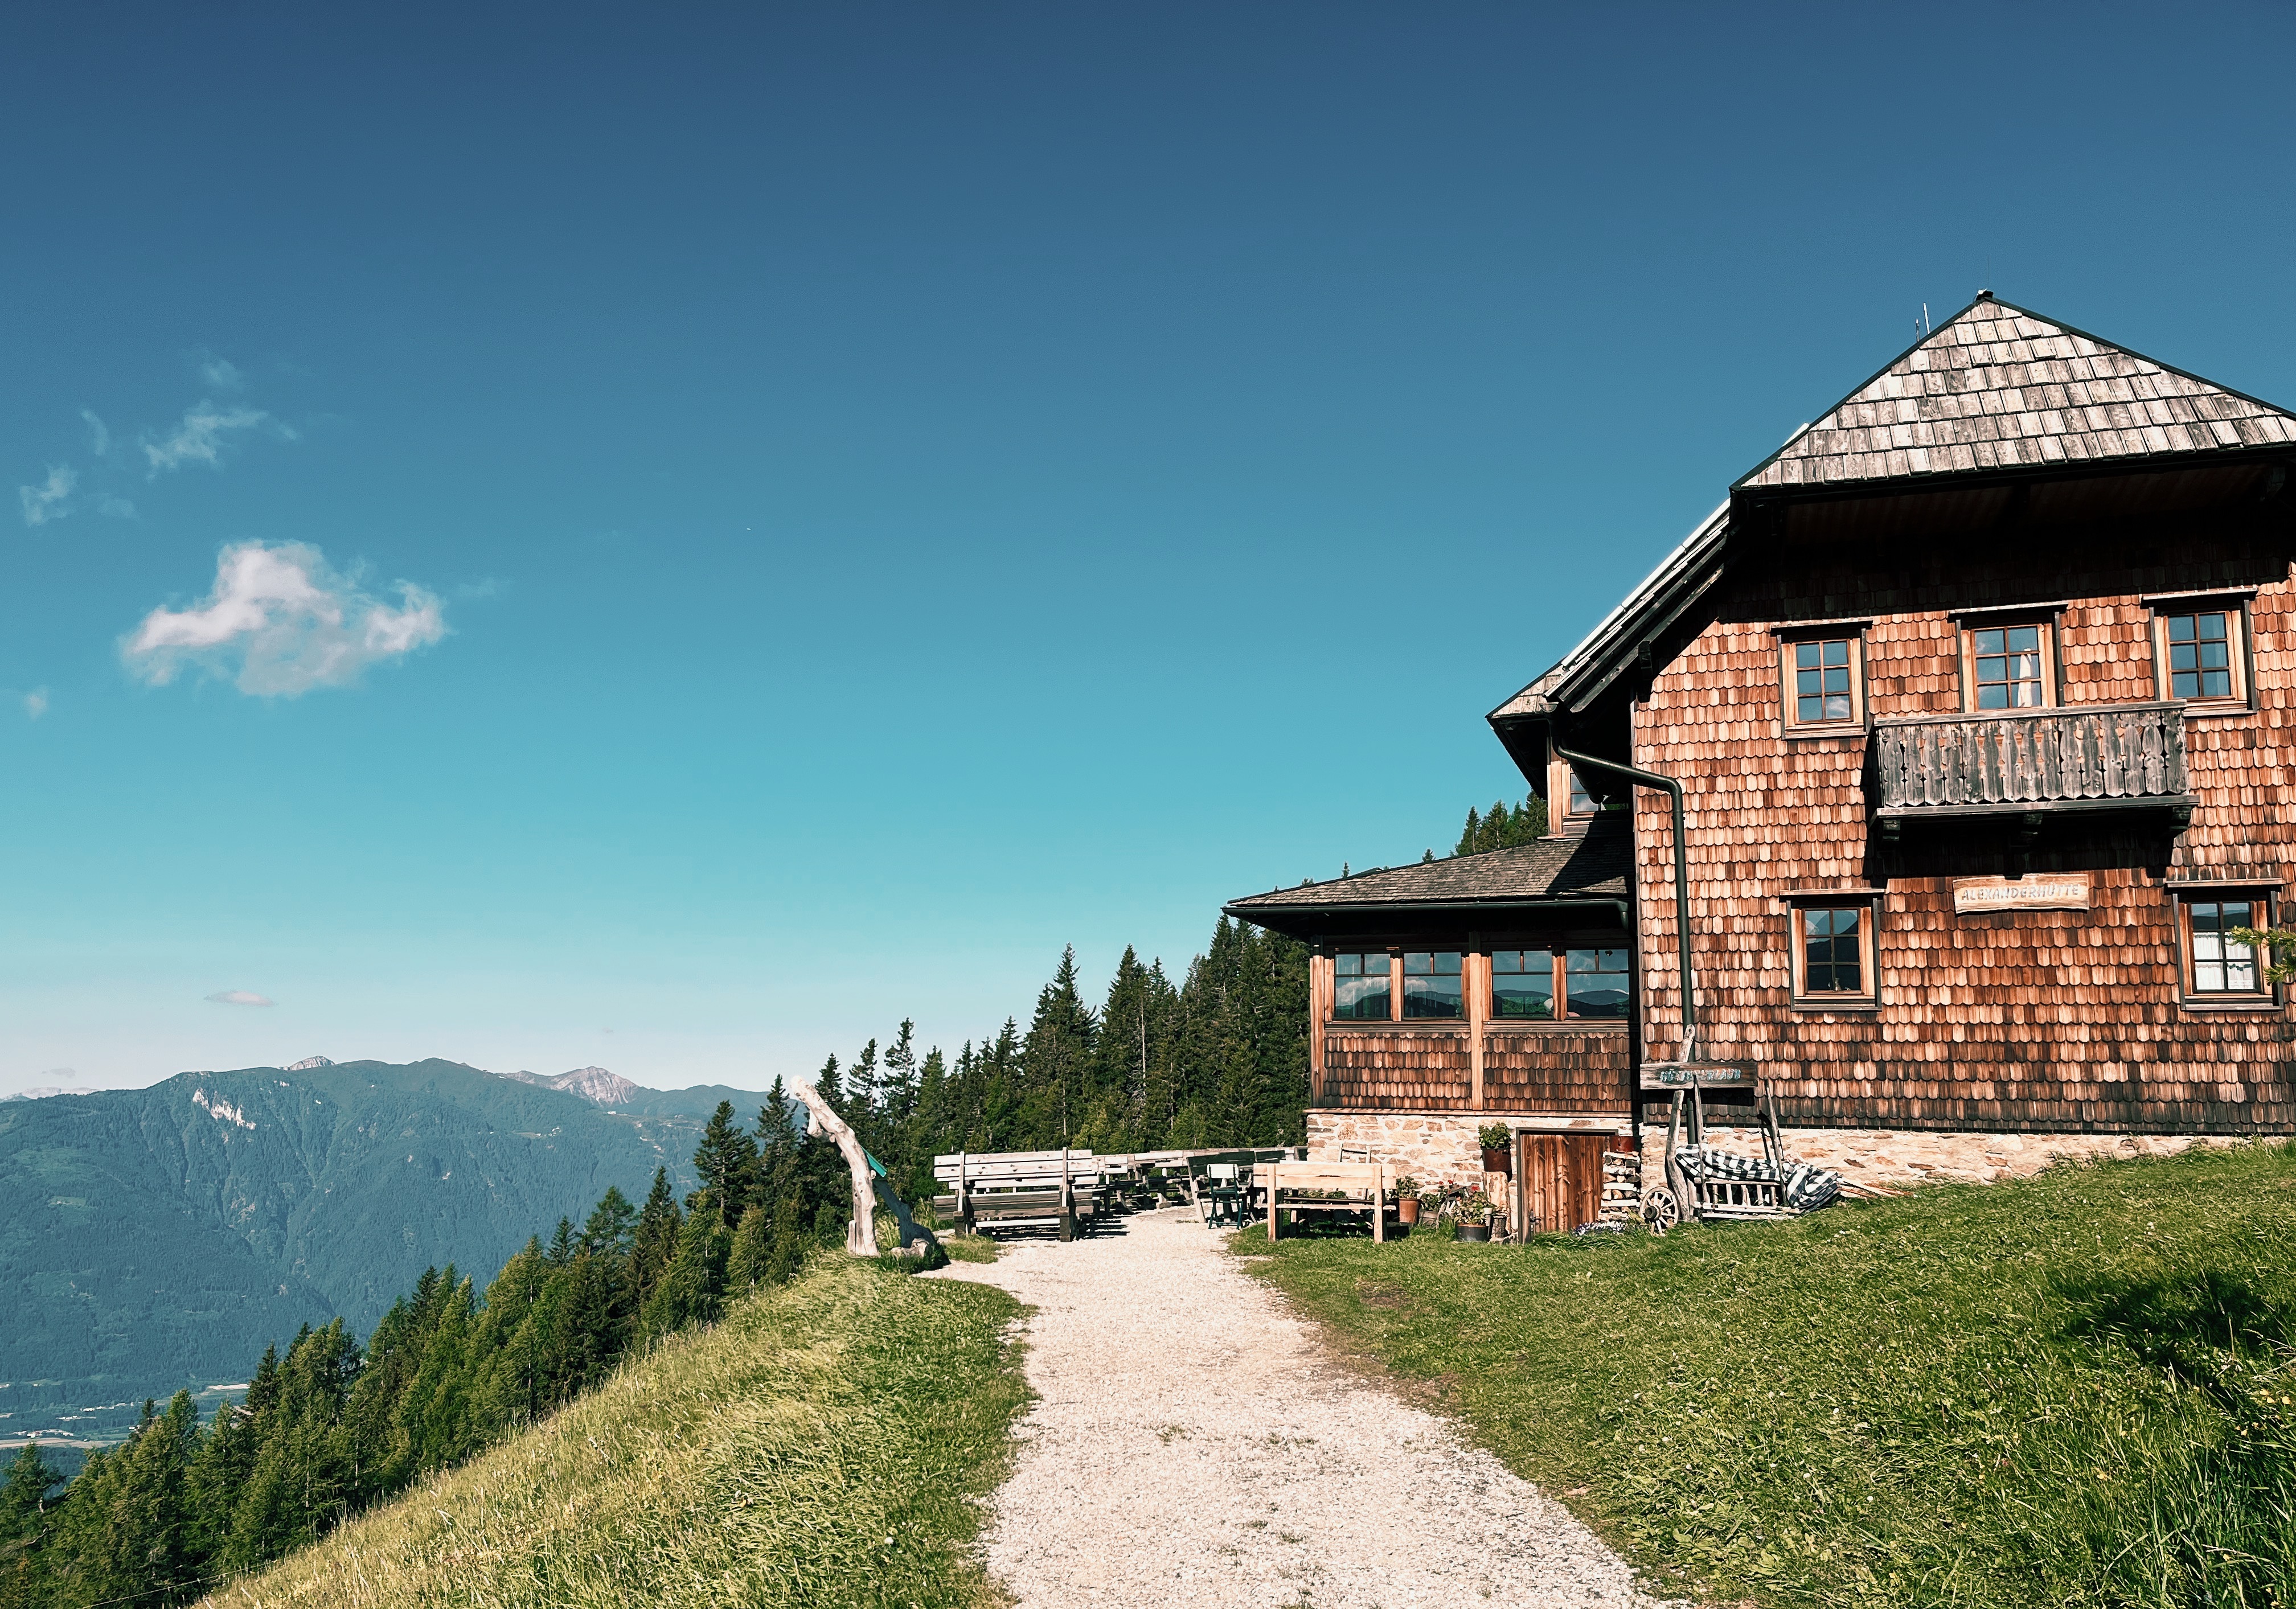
[[1704, 1075], [2049, 892]]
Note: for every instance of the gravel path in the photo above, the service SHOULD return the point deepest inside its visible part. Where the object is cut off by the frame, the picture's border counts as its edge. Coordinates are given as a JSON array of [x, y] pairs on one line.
[[1191, 1445]]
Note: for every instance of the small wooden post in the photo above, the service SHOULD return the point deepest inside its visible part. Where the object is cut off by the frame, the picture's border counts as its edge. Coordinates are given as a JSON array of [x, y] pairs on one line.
[[1274, 1171], [964, 1197], [1067, 1198], [1379, 1206]]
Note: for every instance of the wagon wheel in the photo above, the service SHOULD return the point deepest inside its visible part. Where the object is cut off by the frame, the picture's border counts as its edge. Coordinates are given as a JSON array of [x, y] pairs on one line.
[[1660, 1211]]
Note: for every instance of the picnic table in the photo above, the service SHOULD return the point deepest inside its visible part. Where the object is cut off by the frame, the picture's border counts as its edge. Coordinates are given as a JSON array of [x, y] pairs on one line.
[[1358, 1188]]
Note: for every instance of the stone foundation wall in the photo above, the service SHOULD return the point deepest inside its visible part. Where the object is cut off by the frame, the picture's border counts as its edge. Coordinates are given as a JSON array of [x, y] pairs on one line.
[[1434, 1146], [1896, 1158], [1430, 1146]]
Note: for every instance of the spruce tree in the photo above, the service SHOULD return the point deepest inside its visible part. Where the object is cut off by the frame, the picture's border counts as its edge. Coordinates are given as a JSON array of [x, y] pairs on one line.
[[655, 1240], [607, 1233], [750, 1255], [727, 1162]]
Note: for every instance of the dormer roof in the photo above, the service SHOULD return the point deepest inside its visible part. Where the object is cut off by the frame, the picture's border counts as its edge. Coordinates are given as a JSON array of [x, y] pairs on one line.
[[1998, 387]]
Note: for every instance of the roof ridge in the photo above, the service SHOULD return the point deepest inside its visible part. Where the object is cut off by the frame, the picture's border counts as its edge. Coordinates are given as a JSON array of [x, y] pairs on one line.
[[2012, 397]]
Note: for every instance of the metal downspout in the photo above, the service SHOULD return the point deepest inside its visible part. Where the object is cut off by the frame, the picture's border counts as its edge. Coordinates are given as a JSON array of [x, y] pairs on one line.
[[1652, 779]]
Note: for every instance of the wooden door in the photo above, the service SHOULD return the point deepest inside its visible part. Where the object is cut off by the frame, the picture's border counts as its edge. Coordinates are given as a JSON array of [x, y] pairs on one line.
[[1563, 1179]]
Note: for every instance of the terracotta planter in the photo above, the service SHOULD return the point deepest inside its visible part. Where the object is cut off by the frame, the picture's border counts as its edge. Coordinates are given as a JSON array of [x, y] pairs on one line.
[[1407, 1211], [1498, 1160], [1471, 1232]]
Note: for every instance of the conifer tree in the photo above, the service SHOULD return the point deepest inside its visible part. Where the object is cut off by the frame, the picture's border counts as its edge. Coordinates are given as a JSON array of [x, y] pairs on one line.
[[655, 1240], [607, 1233], [750, 1257], [727, 1162]]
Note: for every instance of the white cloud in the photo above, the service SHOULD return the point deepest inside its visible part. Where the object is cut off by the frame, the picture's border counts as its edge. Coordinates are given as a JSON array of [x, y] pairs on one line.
[[199, 438], [241, 996], [281, 621], [35, 703], [99, 439], [114, 506], [222, 376], [49, 500]]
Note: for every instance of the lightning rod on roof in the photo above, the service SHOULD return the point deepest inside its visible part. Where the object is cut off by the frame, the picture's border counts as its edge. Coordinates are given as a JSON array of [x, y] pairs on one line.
[[1922, 325]]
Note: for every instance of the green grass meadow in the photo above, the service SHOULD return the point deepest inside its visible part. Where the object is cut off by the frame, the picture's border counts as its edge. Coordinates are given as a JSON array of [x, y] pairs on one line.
[[2072, 1389], [825, 1444]]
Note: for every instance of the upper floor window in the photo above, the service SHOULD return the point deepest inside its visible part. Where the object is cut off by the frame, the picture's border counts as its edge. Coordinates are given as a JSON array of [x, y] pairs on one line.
[[1359, 991], [2217, 965], [2203, 653], [2008, 667], [1823, 680], [1582, 802], [1431, 984], [1570, 804]]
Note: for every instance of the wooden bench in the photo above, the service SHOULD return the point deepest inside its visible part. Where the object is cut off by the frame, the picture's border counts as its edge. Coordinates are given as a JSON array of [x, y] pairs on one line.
[[1336, 1188], [1062, 1191]]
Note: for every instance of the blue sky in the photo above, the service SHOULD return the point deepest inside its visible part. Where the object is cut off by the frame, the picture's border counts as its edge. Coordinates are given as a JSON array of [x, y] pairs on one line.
[[800, 512]]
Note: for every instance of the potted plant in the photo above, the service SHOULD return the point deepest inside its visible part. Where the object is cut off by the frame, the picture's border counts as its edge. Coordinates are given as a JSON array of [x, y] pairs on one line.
[[1406, 1200], [1475, 1214], [1497, 1141]]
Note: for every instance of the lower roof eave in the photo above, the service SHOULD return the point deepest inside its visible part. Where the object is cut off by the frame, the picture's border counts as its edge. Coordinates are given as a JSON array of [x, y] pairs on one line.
[[1296, 920]]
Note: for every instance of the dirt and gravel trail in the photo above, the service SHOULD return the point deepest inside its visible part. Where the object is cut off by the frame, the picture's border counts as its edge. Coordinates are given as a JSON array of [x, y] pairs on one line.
[[1194, 1445]]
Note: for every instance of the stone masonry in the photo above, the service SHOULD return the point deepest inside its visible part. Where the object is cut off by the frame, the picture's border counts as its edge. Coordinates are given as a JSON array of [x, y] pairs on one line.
[[1434, 1146]]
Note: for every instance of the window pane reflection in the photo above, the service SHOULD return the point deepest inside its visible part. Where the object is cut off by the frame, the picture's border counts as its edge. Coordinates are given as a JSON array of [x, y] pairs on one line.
[[1360, 990]]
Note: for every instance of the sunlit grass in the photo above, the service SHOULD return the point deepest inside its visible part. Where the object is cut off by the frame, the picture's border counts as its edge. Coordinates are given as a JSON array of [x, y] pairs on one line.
[[825, 1444], [2073, 1389]]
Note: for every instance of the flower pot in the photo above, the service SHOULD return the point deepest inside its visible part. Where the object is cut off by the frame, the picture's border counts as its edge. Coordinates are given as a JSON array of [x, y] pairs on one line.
[[1471, 1232], [1498, 1159], [1407, 1211]]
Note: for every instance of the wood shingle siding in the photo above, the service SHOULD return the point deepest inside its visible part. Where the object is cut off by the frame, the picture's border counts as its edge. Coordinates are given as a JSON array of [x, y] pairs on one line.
[[1554, 1070], [1419, 1071]]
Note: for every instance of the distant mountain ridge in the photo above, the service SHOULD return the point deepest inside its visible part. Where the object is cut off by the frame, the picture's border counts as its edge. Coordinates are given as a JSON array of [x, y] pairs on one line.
[[593, 1084], [160, 1237]]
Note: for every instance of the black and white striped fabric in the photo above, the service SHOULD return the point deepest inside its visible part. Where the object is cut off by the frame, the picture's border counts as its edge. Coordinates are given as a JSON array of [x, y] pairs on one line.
[[1804, 1187]]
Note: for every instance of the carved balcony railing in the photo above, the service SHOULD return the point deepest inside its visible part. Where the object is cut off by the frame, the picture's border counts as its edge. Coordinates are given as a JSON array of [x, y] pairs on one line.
[[2024, 761]]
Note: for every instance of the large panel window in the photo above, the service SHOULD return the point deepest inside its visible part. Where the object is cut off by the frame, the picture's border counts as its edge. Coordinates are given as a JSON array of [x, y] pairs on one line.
[[1523, 986], [1595, 985], [2217, 965], [1360, 986], [1570, 985], [1431, 984]]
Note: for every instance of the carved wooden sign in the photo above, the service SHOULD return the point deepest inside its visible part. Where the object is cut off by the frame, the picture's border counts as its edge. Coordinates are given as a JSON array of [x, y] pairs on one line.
[[2051, 891], [1703, 1075]]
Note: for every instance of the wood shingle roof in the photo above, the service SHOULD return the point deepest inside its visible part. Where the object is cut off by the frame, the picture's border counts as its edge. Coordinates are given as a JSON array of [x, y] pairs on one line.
[[1593, 867], [1996, 387]]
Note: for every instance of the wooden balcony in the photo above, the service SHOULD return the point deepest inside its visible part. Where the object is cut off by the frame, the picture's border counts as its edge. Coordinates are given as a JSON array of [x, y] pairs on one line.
[[2027, 762]]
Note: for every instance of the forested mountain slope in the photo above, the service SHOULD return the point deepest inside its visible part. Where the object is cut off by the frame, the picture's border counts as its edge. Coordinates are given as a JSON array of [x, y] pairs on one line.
[[151, 1239]]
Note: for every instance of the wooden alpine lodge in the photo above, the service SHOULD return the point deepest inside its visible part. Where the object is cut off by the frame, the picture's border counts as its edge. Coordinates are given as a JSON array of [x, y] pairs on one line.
[[1918, 790]]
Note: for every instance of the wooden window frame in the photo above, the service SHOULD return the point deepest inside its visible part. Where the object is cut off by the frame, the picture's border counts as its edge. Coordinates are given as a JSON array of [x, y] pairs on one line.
[[1869, 922], [2052, 692], [2266, 996], [1403, 974], [1394, 982], [1558, 955], [1790, 724], [1561, 820], [2241, 654]]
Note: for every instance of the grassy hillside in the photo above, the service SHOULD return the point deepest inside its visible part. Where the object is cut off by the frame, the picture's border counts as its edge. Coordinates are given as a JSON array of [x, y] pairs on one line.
[[2075, 1390], [156, 1238], [822, 1445]]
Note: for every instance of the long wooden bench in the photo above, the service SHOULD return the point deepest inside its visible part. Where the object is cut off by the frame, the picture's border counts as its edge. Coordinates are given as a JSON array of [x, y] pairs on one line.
[[1062, 1191], [1350, 1188]]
